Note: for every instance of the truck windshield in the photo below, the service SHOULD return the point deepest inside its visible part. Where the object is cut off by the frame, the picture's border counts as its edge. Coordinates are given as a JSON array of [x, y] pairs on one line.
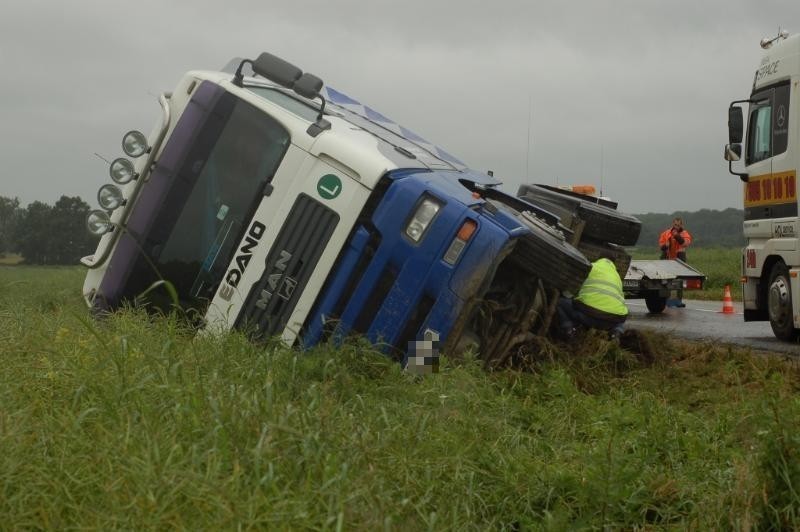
[[215, 192]]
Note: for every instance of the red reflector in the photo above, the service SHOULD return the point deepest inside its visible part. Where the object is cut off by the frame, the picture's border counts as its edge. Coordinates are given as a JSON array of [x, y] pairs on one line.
[[467, 230], [694, 284]]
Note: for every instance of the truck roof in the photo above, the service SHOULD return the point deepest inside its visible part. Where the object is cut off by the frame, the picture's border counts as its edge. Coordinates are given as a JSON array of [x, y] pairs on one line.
[[779, 62], [414, 151], [387, 129]]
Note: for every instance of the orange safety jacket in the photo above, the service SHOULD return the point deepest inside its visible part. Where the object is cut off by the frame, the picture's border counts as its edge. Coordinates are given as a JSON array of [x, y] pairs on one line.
[[673, 246]]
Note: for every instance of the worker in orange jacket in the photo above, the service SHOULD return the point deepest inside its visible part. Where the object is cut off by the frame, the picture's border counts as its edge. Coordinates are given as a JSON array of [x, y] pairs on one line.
[[673, 244], [673, 241]]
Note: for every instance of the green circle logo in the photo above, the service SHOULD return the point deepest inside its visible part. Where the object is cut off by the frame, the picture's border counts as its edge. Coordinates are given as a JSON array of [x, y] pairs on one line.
[[329, 186]]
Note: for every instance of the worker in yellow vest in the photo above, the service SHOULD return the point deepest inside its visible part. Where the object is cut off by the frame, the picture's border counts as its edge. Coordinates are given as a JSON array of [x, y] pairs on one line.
[[600, 303]]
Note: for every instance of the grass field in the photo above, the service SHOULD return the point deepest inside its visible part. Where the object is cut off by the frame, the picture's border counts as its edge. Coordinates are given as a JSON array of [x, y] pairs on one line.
[[133, 423], [720, 265]]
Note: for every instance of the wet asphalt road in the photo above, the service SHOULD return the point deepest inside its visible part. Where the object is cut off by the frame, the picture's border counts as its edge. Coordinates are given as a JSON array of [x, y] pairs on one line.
[[702, 320]]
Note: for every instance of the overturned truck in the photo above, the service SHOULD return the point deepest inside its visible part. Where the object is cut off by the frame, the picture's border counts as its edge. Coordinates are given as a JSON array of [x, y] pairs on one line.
[[267, 202]]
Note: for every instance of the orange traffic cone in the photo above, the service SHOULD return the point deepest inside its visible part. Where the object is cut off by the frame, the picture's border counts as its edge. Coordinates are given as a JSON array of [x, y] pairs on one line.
[[727, 301]]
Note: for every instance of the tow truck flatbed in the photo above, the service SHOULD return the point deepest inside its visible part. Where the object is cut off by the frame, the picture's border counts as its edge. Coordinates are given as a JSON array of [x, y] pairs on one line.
[[655, 280]]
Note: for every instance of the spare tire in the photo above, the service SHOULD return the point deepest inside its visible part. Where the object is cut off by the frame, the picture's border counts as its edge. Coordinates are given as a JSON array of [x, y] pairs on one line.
[[594, 250], [602, 223]]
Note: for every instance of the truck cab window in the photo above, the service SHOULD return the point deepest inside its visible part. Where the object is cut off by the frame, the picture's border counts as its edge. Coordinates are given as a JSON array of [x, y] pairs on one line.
[[768, 127], [759, 134]]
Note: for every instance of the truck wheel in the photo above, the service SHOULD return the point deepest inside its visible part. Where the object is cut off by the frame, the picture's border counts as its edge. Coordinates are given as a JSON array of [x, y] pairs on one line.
[[594, 250], [655, 303], [602, 223], [546, 255], [779, 303]]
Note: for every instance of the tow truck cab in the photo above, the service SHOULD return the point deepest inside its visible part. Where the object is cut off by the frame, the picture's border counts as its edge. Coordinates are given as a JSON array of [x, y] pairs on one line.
[[771, 257], [274, 205]]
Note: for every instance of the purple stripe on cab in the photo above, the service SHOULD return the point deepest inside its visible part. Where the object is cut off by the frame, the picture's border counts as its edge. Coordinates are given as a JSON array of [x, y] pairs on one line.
[[154, 192]]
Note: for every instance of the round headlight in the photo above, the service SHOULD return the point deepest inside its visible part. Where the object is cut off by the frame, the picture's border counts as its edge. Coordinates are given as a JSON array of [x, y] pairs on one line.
[[134, 143], [110, 197], [121, 171], [98, 223]]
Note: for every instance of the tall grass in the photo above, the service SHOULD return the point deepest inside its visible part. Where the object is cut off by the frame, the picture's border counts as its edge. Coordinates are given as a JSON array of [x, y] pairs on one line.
[[134, 423]]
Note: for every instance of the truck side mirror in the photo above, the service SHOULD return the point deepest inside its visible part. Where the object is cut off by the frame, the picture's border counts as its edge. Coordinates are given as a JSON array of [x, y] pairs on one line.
[[276, 69], [733, 152], [735, 126], [308, 86]]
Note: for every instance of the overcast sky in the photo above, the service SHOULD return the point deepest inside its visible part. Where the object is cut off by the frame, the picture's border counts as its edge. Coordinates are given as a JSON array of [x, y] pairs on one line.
[[634, 90]]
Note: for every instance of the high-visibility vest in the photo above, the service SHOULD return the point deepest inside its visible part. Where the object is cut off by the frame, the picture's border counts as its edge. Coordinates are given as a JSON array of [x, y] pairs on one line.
[[602, 289]]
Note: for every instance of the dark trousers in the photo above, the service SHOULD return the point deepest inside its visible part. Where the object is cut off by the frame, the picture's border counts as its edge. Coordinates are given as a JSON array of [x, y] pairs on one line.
[[570, 317], [681, 255]]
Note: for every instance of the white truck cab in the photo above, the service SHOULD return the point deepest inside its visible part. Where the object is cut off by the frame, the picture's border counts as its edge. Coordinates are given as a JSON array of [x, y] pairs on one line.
[[770, 153]]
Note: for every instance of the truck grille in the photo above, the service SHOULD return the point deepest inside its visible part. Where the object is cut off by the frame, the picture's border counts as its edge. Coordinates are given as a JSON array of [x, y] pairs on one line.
[[289, 265]]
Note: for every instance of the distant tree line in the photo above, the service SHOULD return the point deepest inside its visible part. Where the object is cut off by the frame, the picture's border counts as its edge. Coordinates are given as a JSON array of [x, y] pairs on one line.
[[46, 234], [709, 228]]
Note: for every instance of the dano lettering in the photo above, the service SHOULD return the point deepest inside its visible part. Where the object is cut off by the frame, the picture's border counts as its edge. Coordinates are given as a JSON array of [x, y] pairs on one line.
[[242, 259]]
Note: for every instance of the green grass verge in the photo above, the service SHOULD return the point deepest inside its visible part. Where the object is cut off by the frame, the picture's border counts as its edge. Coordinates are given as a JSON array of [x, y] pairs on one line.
[[133, 423]]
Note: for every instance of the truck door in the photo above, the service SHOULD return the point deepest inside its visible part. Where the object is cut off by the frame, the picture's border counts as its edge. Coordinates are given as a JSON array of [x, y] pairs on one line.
[[771, 189]]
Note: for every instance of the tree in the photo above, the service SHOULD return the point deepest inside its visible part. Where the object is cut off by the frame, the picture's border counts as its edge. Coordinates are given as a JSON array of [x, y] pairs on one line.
[[10, 213], [71, 240], [54, 235], [32, 237]]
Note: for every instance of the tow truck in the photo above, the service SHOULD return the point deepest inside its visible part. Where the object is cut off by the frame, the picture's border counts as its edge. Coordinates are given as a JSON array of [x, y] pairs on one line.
[[656, 280], [771, 257]]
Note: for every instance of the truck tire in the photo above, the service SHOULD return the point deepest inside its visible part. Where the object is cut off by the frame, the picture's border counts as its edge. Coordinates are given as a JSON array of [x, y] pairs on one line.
[[607, 224], [546, 256], [779, 303], [602, 223], [544, 252], [594, 250], [655, 303]]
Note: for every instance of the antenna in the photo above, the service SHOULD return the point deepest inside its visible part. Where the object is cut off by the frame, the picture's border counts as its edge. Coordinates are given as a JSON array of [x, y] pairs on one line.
[[102, 158], [602, 167], [528, 147]]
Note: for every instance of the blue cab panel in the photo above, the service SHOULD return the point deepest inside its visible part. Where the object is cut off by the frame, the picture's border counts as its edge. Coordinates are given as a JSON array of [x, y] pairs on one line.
[[392, 289]]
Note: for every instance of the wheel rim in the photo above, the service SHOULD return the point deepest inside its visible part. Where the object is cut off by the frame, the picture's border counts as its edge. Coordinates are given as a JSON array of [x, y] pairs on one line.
[[779, 302]]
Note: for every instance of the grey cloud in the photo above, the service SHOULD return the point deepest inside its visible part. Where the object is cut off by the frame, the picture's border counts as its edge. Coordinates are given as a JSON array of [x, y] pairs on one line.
[[646, 82]]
